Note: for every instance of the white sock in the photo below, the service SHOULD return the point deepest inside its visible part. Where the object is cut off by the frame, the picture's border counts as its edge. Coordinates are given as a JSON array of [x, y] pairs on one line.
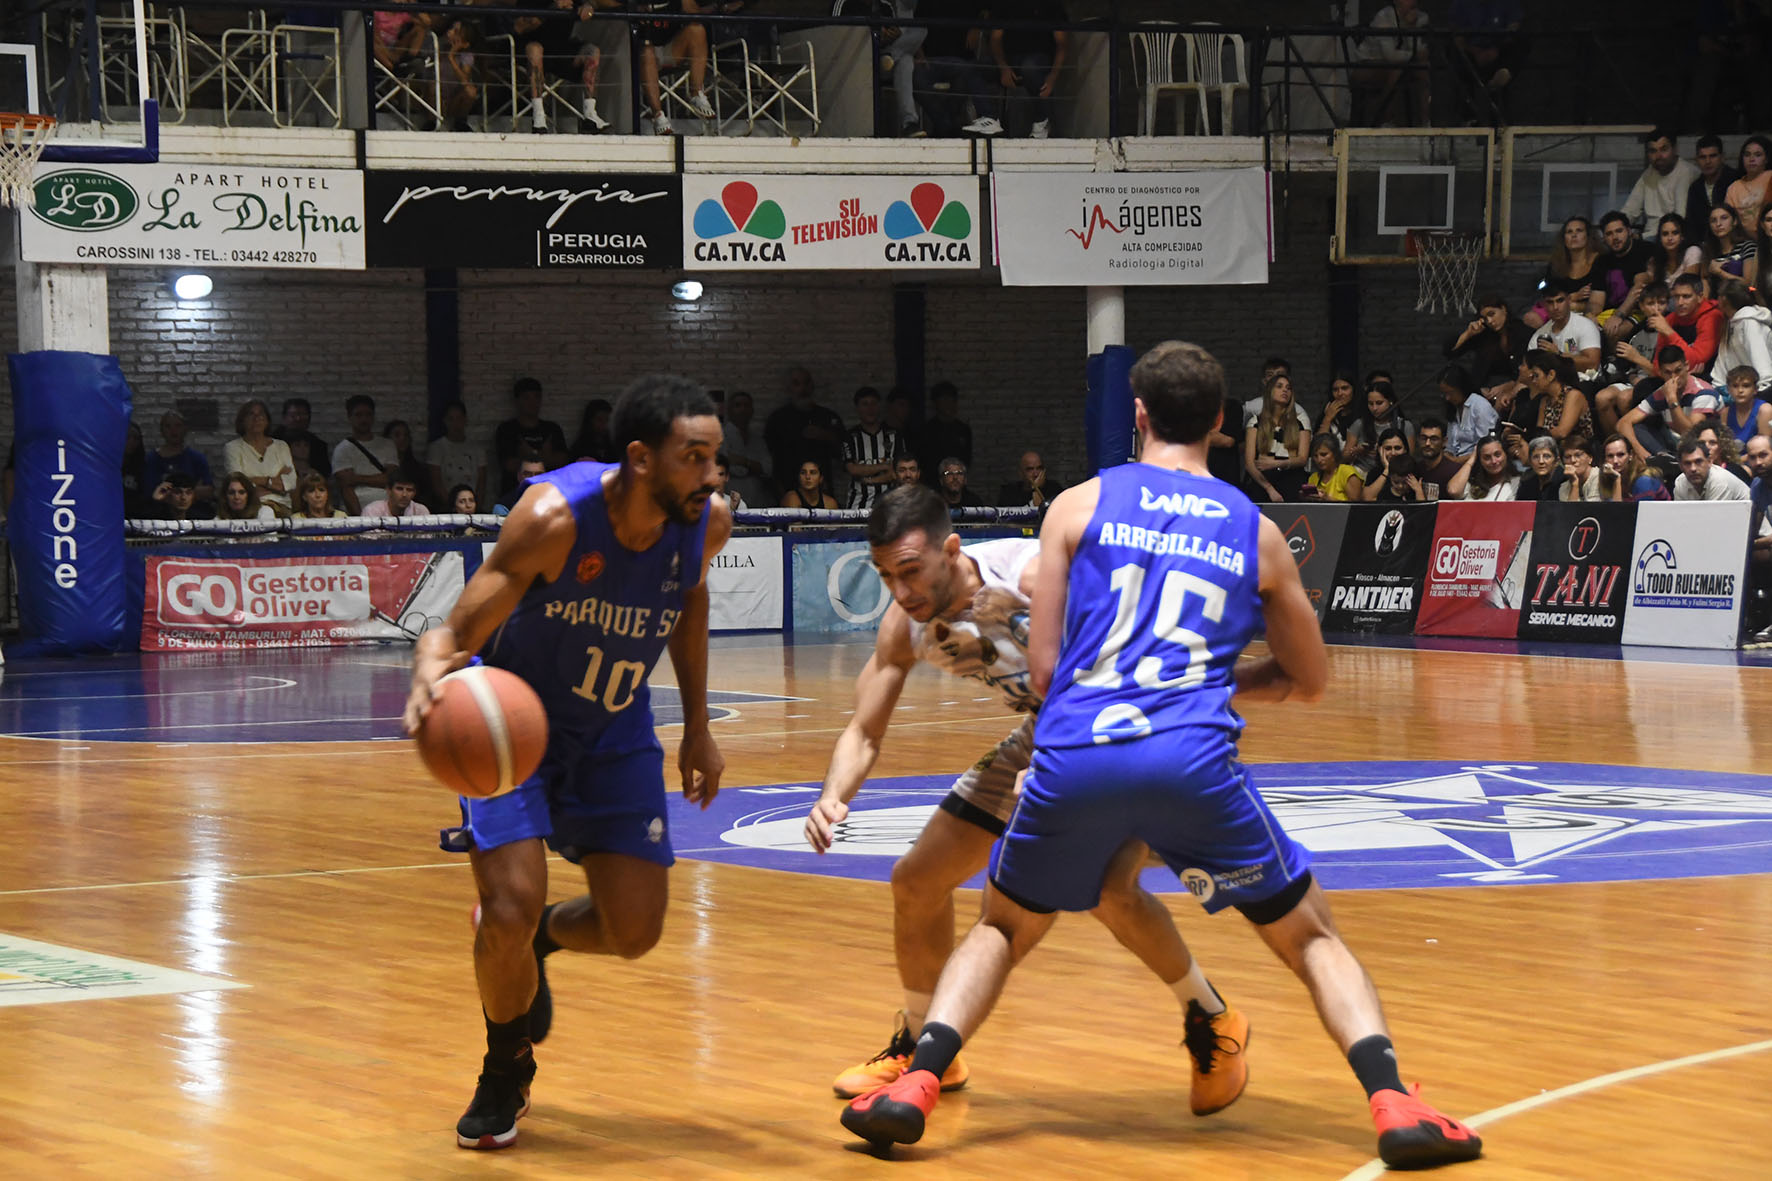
[[537, 113], [1195, 987], [916, 1010]]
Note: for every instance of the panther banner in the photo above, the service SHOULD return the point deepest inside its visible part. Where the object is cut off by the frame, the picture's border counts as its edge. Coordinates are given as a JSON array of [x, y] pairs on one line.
[[1378, 577], [799, 223]]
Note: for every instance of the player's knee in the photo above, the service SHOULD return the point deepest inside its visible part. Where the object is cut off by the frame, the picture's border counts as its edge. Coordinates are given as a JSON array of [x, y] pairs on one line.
[[508, 921], [914, 887], [632, 938]]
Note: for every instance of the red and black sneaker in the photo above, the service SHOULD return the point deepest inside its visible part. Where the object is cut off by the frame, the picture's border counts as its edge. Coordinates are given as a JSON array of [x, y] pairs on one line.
[[895, 1113], [1412, 1135]]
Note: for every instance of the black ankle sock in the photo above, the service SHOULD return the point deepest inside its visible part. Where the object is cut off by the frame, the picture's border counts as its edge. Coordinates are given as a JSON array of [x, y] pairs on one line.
[[544, 942], [507, 1041], [1375, 1064], [937, 1047]]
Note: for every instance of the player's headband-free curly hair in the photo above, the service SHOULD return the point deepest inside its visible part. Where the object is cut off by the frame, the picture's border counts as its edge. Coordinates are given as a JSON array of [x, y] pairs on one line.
[[648, 407]]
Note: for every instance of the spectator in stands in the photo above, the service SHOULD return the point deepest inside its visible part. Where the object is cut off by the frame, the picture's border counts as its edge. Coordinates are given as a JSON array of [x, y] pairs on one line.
[[1663, 185], [950, 59], [1720, 445], [1392, 449], [1224, 445], [1581, 480], [723, 478], [399, 433], [1492, 49], [745, 451], [239, 501], [1566, 332], [137, 496], [1562, 407], [1402, 482], [175, 498], [1676, 255], [1727, 247], [1632, 361], [1271, 368], [1391, 85], [464, 500], [1030, 63], [1487, 474], [172, 455], [526, 431], [944, 434], [1035, 487], [1711, 189], [1382, 414], [1745, 414], [263, 460], [1758, 456], [309, 450], [1489, 347], [1544, 474], [1695, 325], [898, 413], [1469, 416], [1762, 248], [1700, 479], [593, 440], [1435, 466], [1621, 462], [953, 488], [665, 45], [1576, 266], [1513, 402], [869, 451], [458, 75], [313, 498], [899, 63], [360, 463], [1747, 334], [454, 460], [529, 465], [1331, 479], [402, 498], [803, 429], [1276, 447], [399, 38], [1669, 409], [1339, 412], [907, 469], [1747, 195], [551, 51], [1624, 271], [809, 490]]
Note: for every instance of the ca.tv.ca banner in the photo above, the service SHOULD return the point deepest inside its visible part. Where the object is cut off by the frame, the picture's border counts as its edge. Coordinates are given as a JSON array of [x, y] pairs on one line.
[[799, 223]]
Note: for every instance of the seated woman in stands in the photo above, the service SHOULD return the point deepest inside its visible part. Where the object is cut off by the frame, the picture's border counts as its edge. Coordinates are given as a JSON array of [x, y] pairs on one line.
[[1487, 474], [239, 501], [812, 491], [315, 498], [1330, 478]]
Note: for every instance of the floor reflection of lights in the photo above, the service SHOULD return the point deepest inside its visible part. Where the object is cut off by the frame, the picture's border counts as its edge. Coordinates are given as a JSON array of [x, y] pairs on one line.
[[199, 1048]]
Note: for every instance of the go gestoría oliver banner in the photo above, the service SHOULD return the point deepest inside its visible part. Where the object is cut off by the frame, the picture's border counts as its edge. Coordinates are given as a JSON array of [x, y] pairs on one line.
[[1122, 229], [803, 223], [572, 220], [188, 215]]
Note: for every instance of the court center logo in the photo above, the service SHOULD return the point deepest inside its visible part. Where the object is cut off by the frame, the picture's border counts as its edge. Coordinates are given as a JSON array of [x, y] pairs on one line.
[[1661, 583], [84, 200]]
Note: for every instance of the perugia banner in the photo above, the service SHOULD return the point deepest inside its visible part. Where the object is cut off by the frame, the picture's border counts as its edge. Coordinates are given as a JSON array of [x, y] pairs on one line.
[[1575, 577], [1476, 571], [1313, 534], [1688, 575], [858, 223], [209, 603], [1377, 585]]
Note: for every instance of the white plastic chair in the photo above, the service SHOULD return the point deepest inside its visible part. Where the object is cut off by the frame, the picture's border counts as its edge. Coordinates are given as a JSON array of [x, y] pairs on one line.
[[1206, 73], [1153, 69]]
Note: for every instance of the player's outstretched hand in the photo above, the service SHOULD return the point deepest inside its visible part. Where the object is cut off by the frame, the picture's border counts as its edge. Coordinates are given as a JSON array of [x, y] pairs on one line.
[[428, 669], [702, 764], [822, 822]]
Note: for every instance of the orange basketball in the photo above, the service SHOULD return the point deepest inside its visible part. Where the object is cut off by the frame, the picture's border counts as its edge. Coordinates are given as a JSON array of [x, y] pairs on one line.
[[485, 734]]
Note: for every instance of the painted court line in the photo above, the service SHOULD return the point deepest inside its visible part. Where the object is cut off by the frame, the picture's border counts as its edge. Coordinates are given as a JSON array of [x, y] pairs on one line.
[[1375, 1168], [235, 877]]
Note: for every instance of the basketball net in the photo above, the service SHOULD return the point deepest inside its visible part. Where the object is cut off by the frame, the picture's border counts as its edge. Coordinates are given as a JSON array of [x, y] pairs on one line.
[[1447, 266], [22, 140]]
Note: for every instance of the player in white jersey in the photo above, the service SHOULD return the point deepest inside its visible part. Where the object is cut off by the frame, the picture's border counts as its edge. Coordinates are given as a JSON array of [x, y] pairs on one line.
[[964, 609]]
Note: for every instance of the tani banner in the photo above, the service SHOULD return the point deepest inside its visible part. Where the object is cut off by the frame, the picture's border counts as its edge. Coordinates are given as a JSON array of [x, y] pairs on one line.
[[1688, 576], [859, 223], [1378, 578], [1575, 578], [173, 215], [1477, 569], [1122, 229], [1313, 534]]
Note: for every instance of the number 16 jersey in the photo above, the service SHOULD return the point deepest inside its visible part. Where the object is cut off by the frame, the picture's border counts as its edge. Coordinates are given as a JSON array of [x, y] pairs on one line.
[[1163, 597]]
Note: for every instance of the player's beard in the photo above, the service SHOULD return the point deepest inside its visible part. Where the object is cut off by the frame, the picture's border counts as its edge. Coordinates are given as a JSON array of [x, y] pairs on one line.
[[681, 510]]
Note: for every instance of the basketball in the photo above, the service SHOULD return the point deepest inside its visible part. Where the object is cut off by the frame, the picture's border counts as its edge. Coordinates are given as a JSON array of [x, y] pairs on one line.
[[485, 734]]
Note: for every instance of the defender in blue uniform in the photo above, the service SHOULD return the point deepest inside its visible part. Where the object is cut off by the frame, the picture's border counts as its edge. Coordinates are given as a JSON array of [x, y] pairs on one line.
[[1152, 579], [598, 569]]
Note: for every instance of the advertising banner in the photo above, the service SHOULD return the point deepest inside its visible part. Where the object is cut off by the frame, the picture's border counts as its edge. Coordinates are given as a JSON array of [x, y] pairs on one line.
[[1313, 533], [1477, 569], [196, 215], [1687, 579], [570, 220], [1378, 576], [745, 585], [1575, 578], [1123, 229], [211, 603], [856, 223], [836, 588]]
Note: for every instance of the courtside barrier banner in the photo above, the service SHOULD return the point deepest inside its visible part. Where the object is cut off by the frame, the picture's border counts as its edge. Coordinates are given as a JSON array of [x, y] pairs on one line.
[[836, 588], [1576, 577], [1123, 229], [1378, 576], [1688, 576], [316, 601], [856, 223], [1477, 567], [1313, 534], [745, 585]]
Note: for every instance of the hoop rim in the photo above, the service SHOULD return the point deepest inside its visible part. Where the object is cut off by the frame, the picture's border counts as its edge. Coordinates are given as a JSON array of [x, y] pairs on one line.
[[25, 120]]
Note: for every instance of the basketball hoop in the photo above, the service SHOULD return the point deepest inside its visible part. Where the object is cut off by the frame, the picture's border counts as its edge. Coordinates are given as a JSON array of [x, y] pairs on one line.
[[1447, 264], [22, 140]]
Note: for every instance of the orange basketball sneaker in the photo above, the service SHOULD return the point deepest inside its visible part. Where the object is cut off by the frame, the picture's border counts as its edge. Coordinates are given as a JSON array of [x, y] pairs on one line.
[[1412, 1135], [1216, 1042], [894, 1114], [885, 1067]]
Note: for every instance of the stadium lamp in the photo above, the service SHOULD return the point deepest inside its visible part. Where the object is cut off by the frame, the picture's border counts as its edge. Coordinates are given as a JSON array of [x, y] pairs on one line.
[[688, 291], [192, 285]]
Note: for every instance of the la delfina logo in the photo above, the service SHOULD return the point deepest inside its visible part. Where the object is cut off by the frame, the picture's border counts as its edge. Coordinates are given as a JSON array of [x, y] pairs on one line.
[[1661, 583], [927, 229], [84, 200]]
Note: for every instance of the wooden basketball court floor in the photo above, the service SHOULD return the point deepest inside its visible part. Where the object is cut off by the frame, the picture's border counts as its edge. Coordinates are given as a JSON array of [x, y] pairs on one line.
[[308, 873]]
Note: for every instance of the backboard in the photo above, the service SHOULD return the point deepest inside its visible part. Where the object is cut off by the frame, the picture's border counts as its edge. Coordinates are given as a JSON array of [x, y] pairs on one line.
[[1550, 174], [94, 68], [1390, 181]]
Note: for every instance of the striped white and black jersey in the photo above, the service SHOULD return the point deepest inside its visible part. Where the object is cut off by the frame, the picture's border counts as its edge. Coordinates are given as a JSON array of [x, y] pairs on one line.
[[883, 446]]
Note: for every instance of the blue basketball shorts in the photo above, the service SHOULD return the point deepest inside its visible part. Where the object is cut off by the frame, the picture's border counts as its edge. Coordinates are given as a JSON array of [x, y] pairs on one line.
[[1181, 792], [579, 801]]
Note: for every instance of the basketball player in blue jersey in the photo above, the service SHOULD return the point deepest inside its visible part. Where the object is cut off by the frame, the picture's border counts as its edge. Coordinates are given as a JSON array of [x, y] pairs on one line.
[[597, 570], [1153, 577], [964, 609]]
